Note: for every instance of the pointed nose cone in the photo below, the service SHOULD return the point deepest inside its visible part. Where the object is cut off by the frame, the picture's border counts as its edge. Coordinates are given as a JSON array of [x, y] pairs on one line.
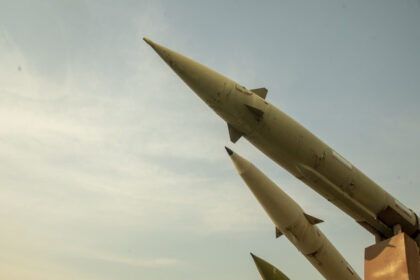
[[147, 40], [239, 162], [163, 52], [206, 83], [267, 270], [229, 151]]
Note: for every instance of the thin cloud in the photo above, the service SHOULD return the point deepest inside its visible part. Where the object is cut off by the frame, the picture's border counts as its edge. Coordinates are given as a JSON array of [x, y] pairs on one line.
[[131, 261]]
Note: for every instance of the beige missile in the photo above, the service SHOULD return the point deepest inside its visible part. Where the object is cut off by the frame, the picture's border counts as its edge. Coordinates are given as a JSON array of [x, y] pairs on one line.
[[267, 270], [291, 221], [295, 148]]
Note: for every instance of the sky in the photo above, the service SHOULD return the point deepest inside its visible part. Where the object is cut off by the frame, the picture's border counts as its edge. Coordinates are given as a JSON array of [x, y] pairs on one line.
[[111, 167]]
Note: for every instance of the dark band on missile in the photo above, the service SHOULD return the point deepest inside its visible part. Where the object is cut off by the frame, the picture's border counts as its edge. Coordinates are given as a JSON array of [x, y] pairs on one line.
[[229, 151]]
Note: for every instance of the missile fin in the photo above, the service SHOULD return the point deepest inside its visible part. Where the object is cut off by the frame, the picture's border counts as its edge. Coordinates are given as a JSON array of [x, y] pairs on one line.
[[278, 233], [258, 113], [261, 92], [234, 134], [312, 220]]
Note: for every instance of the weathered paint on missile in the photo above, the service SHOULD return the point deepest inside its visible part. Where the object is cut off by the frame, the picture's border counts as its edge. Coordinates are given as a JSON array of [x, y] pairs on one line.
[[267, 270], [291, 221], [293, 147]]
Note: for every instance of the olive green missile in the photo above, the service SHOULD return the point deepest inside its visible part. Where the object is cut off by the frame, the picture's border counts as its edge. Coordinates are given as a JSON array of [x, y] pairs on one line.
[[295, 148], [267, 270], [292, 222]]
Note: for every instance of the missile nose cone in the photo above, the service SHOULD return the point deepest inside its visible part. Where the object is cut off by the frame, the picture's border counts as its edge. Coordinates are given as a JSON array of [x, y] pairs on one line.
[[239, 162], [166, 54], [148, 41], [256, 259], [154, 46], [267, 270], [230, 152], [201, 79]]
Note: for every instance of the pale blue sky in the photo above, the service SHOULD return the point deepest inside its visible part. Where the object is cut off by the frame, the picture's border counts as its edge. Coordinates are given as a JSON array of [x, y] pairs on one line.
[[111, 168]]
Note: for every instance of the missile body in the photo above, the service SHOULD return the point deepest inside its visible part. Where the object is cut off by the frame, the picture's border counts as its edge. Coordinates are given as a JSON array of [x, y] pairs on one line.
[[267, 270], [293, 147], [291, 221]]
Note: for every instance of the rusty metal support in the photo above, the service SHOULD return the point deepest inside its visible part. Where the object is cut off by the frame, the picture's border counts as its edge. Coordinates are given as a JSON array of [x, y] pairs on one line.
[[396, 258]]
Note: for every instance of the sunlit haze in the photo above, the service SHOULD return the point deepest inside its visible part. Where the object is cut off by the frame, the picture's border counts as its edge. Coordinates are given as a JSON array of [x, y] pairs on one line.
[[112, 168]]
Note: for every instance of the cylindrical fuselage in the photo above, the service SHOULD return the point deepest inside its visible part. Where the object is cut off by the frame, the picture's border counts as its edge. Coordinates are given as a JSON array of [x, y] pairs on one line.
[[290, 219], [308, 158]]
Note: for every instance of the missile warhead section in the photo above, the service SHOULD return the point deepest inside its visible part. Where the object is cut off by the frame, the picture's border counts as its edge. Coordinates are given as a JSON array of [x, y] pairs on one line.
[[295, 148], [267, 270], [201, 79], [238, 106], [290, 220]]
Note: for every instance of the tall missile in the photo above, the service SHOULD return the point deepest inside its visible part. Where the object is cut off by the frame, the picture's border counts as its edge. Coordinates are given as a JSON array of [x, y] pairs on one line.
[[295, 148], [290, 220], [267, 270]]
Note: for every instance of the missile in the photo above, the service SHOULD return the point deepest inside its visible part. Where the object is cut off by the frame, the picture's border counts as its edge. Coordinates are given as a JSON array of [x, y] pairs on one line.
[[295, 148], [292, 222], [267, 270]]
